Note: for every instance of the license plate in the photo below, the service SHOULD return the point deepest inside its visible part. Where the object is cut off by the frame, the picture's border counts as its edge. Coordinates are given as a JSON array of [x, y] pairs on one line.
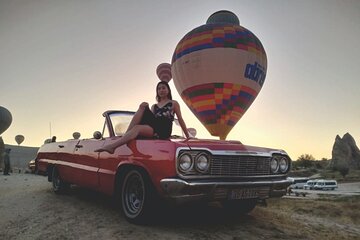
[[244, 193]]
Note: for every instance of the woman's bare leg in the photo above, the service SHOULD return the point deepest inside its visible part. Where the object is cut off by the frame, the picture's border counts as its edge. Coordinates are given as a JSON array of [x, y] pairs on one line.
[[142, 130], [138, 115]]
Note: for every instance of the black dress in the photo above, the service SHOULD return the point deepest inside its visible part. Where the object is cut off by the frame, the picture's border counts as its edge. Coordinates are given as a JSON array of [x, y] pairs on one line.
[[161, 120]]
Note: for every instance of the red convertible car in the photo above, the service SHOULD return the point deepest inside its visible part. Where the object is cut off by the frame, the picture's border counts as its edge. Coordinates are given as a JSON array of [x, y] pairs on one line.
[[147, 171]]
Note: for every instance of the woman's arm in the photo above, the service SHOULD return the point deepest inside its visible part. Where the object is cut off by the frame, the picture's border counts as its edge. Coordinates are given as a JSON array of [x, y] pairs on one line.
[[180, 119], [153, 108]]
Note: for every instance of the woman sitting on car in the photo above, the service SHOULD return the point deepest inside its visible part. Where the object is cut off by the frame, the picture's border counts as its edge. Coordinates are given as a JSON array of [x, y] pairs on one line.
[[155, 122]]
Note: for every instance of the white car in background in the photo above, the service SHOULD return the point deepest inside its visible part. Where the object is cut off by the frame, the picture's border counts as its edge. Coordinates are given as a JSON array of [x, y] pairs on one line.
[[325, 185], [309, 185], [298, 182]]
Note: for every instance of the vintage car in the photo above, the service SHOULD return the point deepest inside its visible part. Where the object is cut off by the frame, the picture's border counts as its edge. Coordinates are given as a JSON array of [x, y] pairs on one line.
[[178, 170]]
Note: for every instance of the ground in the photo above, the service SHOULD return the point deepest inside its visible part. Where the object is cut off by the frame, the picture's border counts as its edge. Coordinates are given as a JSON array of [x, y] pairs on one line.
[[30, 210]]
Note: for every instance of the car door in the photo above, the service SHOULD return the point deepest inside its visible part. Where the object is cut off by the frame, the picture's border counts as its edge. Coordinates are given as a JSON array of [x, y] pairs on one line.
[[65, 161], [109, 164], [87, 163]]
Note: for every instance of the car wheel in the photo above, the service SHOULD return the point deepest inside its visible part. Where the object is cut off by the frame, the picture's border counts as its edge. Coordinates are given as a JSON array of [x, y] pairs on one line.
[[239, 207], [59, 186], [136, 196]]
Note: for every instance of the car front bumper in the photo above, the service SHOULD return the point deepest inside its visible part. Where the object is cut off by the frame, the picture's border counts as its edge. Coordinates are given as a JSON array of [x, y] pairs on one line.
[[182, 191]]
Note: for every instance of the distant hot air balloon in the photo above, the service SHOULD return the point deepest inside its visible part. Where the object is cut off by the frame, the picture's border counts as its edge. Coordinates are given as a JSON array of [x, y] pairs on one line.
[[19, 139], [218, 69], [164, 72], [76, 135], [5, 119]]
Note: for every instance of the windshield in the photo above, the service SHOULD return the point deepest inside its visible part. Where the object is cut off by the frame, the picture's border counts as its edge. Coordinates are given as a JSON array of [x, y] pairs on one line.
[[121, 120]]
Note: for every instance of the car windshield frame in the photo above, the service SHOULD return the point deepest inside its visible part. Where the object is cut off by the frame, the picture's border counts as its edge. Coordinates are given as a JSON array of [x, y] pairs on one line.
[[118, 121]]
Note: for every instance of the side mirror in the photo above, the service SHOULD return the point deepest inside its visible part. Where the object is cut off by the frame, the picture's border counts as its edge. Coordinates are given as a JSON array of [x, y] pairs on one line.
[[192, 132], [97, 135]]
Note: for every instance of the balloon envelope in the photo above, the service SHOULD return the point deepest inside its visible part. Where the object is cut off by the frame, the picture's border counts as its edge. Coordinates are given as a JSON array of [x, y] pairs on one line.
[[19, 139], [5, 119], [76, 135], [218, 69]]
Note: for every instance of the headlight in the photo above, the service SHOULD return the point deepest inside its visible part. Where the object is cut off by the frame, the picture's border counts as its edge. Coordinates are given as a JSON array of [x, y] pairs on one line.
[[202, 162], [274, 164], [283, 165], [185, 162]]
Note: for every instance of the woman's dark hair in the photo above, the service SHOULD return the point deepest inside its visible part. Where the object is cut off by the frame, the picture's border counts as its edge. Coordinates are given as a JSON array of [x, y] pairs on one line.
[[168, 87]]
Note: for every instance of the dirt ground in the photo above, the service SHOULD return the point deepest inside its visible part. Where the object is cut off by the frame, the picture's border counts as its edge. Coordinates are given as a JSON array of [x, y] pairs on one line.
[[30, 210]]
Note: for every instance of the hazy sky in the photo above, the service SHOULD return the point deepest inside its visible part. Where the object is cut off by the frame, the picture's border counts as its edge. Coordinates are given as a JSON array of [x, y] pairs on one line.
[[66, 62]]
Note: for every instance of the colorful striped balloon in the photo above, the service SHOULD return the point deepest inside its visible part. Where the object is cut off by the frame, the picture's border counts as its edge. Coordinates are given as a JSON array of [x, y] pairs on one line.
[[218, 69], [164, 72]]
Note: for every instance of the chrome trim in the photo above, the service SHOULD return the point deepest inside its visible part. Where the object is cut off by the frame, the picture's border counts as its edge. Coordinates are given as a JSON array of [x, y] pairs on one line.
[[229, 177], [230, 153], [181, 191], [240, 166], [217, 183]]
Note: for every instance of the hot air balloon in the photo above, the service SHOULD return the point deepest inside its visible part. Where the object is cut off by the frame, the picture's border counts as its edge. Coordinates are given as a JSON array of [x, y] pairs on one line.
[[5, 119], [76, 135], [164, 72], [218, 69], [19, 139]]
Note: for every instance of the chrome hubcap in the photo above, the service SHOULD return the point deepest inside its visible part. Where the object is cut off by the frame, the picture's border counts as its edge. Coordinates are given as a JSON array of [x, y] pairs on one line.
[[134, 194]]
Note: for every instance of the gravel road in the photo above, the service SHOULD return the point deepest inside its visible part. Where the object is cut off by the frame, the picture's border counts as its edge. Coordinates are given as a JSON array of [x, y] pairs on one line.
[[30, 210]]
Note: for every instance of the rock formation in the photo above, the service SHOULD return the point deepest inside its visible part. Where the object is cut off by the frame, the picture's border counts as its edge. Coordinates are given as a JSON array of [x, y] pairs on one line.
[[345, 153]]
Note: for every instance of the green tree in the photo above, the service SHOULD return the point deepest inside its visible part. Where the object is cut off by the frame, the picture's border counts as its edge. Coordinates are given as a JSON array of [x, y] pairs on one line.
[[305, 161], [306, 157]]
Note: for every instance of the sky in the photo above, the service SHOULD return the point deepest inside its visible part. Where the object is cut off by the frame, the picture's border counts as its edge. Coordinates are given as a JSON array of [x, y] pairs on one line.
[[63, 63]]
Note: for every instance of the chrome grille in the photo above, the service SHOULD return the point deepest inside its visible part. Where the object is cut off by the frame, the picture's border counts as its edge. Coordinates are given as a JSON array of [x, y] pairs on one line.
[[224, 165]]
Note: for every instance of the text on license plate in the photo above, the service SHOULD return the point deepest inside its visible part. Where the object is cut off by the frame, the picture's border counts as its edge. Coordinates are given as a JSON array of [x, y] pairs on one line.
[[244, 193]]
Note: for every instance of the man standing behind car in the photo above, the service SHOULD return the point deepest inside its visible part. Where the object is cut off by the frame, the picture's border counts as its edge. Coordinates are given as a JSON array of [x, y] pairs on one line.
[[7, 161]]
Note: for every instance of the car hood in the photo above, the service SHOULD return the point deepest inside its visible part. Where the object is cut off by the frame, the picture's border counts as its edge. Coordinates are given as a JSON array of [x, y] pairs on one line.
[[228, 147]]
